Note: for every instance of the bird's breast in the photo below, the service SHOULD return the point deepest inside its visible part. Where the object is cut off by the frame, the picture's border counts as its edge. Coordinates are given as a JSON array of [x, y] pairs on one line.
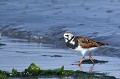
[[79, 48], [72, 44]]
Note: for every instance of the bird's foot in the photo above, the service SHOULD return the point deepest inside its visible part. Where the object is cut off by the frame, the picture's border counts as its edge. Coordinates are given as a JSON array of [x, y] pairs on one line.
[[78, 64], [92, 60]]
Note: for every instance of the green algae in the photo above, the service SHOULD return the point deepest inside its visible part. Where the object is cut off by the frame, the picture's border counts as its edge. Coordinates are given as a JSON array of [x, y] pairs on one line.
[[94, 75], [3, 76], [61, 70], [35, 71], [14, 72]]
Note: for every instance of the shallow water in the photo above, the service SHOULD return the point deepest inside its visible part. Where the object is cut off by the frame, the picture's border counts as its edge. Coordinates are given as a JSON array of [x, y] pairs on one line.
[[45, 21], [40, 24], [19, 54]]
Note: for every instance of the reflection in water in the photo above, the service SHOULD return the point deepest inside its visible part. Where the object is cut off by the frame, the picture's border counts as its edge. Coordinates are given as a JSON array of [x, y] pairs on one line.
[[25, 78], [90, 69]]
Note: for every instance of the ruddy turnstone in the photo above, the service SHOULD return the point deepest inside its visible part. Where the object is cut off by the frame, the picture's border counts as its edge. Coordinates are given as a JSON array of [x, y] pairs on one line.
[[81, 44]]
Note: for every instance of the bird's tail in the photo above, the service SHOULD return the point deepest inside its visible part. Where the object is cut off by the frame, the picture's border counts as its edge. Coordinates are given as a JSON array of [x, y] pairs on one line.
[[101, 44]]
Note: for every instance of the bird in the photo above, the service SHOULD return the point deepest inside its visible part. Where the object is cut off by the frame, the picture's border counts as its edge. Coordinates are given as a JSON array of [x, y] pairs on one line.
[[81, 44]]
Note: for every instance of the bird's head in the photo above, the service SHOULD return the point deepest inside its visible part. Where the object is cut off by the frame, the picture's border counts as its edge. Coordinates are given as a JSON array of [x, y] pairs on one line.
[[68, 36]]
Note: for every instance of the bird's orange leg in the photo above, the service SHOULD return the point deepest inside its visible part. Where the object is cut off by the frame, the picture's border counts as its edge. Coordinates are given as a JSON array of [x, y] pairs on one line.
[[91, 57], [81, 69], [91, 69], [83, 58]]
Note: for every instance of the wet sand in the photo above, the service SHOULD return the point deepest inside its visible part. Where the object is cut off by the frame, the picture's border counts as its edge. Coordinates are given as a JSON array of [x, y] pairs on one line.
[[19, 54]]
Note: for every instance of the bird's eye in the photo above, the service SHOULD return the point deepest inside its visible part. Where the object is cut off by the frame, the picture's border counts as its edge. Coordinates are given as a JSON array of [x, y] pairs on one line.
[[66, 35]]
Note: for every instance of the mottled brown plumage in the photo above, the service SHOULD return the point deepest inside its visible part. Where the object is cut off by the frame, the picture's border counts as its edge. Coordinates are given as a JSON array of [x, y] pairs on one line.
[[88, 43]]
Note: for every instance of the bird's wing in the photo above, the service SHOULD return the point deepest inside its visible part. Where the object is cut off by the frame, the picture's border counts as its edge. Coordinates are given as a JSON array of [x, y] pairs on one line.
[[88, 43]]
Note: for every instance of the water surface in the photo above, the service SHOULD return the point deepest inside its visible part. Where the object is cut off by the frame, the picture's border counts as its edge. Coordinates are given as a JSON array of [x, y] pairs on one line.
[[35, 29], [19, 54]]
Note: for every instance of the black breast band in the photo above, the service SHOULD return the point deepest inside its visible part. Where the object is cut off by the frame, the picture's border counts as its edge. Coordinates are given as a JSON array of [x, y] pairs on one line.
[[72, 46]]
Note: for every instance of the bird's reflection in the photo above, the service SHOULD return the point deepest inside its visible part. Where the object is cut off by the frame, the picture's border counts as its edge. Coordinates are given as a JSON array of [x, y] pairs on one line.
[[91, 68]]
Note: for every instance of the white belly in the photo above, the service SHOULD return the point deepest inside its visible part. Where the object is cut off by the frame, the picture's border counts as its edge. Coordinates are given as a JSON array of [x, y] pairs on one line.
[[84, 50]]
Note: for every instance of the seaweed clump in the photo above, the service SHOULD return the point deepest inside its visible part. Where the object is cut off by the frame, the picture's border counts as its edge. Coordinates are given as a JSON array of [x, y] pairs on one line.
[[35, 71]]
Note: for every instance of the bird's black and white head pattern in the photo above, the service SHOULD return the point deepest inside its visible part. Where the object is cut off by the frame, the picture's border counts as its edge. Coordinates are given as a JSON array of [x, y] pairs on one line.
[[70, 40], [68, 36]]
